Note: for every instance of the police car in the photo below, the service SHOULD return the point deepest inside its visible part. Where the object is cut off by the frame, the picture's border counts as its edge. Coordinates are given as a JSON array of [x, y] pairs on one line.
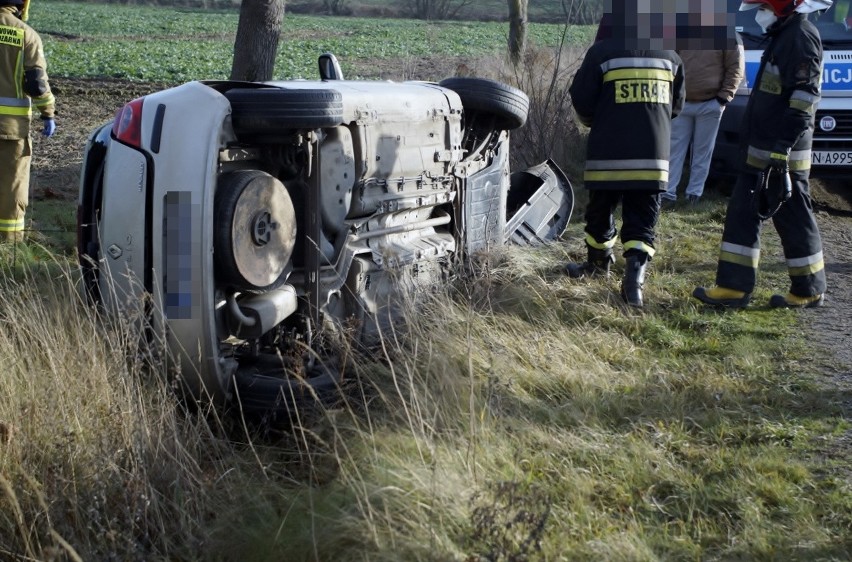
[[832, 141], [245, 226]]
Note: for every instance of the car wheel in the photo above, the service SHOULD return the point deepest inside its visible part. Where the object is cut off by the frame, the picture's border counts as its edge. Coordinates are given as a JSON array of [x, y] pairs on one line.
[[255, 230], [509, 106], [267, 113], [277, 399]]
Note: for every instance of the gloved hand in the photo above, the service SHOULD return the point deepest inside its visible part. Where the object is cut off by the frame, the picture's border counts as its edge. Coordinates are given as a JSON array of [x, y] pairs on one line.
[[773, 186], [781, 170], [49, 127]]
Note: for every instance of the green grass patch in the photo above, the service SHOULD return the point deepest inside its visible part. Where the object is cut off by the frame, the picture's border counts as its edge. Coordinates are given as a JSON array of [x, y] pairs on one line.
[[161, 44]]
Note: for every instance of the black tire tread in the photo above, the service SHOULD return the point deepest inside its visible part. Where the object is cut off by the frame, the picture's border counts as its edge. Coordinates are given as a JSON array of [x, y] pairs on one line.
[[508, 104], [265, 111]]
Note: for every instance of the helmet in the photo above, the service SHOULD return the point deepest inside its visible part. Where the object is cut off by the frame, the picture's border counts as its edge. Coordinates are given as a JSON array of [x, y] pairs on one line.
[[783, 8]]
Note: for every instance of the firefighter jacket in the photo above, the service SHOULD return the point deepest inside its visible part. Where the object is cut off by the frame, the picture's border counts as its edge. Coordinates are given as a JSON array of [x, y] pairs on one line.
[[628, 97], [779, 117], [23, 76]]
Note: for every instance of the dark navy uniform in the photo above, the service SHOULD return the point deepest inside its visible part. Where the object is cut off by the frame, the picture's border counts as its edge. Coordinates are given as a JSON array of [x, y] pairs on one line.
[[779, 121], [628, 97]]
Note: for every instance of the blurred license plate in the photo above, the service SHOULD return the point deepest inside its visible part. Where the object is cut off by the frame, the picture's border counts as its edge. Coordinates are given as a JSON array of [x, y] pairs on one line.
[[831, 158]]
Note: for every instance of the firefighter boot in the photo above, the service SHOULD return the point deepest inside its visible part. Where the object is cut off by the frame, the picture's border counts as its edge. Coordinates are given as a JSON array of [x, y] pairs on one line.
[[722, 297], [597, 264], [634, 279], [795, 301]]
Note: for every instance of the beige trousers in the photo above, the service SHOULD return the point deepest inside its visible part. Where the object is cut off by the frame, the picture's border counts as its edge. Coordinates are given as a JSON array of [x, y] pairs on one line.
[[15, 156]]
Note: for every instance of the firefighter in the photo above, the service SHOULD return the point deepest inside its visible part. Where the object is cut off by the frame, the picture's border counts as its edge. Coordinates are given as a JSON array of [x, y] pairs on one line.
[[23, 84], [627, 94], [777, 132]]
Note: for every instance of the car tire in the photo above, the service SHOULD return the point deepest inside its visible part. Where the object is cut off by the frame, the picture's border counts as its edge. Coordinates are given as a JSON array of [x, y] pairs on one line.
[[255, 231], [275, 399], [270, 113], [508, 105]]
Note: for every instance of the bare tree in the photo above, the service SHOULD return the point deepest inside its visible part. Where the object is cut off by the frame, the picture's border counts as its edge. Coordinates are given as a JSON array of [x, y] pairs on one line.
[[257, 39], [582, 12], [517, 29], [335, 7], [436, 9]]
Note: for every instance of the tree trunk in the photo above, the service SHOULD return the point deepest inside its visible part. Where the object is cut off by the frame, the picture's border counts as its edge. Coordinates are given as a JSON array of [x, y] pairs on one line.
[[257, 39], [517, 29]]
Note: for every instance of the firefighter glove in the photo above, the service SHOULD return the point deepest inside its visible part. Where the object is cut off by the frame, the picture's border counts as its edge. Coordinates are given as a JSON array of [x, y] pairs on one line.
[[780, 184], [773, 187], [49, 127]]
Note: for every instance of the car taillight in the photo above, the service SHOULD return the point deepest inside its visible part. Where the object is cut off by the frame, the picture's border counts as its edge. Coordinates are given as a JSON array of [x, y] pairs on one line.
[[127, 126]]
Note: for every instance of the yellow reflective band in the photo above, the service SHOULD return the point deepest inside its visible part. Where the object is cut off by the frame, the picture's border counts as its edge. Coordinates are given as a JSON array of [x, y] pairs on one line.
[[597, 245], [20, 111], [11, 225], [626, 175], [12, 36], [806, 269], [638, 73], [777, 156], [807, 265], [756, 161], [803, 105], [44, 100], [639, 245], [738, 259]]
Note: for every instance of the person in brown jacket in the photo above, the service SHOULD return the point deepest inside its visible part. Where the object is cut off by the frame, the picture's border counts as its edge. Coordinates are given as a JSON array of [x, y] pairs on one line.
[[23, 84], [712, 78]]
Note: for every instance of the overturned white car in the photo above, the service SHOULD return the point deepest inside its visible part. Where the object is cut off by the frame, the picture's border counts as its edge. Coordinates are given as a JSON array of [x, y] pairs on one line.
[[241, 220]]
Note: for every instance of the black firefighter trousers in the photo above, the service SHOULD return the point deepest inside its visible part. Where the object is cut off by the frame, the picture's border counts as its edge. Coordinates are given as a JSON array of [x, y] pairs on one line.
[[640, 210], [796, 226]]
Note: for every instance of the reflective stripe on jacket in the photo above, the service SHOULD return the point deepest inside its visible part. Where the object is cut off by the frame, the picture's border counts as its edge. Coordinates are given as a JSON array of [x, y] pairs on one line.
[[20, 51], [628, 97]]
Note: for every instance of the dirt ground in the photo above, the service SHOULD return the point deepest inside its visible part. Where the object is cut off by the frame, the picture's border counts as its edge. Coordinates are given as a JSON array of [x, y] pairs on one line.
[[85, 104]]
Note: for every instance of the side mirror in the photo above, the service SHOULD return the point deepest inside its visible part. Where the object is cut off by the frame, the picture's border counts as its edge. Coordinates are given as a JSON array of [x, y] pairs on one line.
[[329, 68]]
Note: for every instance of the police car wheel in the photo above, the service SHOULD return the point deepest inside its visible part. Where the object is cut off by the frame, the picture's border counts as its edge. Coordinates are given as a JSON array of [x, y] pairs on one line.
[[508, 105]]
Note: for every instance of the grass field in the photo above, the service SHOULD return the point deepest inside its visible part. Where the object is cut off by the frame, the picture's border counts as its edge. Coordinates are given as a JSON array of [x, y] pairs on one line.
[[159, 44], [538, 10], [515, 416]]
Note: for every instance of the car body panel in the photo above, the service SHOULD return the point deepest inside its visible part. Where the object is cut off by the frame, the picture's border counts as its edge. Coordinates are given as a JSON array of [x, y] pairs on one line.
[[383, 201]]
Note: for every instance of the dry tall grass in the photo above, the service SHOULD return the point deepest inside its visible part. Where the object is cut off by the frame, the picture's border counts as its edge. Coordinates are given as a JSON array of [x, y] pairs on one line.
[[512, 416]]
